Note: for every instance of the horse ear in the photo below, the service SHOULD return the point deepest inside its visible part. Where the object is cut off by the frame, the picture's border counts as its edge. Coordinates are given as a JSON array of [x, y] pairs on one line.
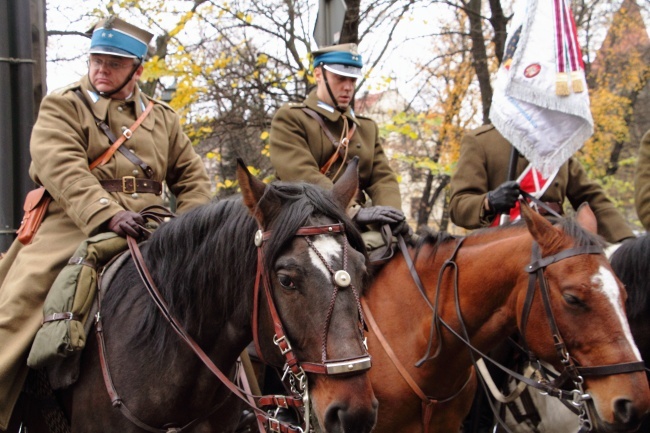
[[586, 218], [538, 226], [252, 189], [345, 189]]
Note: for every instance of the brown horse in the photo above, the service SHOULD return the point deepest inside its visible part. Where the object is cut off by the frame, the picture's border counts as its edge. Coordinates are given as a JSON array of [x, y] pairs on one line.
[[204, 264], [483, 295]]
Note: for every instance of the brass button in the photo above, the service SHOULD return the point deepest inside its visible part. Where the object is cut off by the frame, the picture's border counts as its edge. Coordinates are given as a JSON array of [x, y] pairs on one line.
[[103, 201], [120, 108], [135, 195], [135, 172]]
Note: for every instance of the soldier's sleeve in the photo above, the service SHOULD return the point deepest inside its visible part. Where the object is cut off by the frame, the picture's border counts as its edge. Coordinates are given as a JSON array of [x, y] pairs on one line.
[[60, 162], [290, 151], [469, 186], [642, 182], [383, 188], [186, 175], [611, 224]]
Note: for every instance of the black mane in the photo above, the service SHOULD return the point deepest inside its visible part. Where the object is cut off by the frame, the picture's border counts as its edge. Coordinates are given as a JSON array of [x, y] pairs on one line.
[[630, 263], [204, 262]]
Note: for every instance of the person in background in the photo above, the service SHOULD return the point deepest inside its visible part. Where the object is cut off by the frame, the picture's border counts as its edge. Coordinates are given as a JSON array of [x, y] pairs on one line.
[[313, 141], [642, 182], [480, 190], [85, 202]]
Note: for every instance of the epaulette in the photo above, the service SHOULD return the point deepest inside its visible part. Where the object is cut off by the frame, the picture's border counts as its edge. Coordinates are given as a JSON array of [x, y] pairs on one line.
[[69, 87], [296, 104], [481, 130]]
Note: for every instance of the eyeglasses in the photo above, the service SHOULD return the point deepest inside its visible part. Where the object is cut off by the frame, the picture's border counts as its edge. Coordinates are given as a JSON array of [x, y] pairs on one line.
[[110, 64]]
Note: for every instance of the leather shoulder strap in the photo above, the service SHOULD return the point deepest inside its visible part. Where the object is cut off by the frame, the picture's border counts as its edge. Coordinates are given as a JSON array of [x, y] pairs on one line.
[[319, 119], [116, 143]]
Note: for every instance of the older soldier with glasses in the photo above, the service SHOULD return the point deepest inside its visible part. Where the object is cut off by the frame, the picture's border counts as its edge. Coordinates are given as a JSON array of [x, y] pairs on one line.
[[75, 126]]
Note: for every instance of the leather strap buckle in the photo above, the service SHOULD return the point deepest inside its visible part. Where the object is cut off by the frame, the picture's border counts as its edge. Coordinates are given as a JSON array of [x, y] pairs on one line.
[[128, 185], [127, 133]]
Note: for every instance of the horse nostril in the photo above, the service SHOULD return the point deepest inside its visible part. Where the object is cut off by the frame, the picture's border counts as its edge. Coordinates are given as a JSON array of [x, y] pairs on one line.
[[340, 419], [624, 411]]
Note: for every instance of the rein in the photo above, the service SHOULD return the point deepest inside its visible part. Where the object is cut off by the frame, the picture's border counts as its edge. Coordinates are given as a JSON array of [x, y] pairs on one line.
[[341, 279]]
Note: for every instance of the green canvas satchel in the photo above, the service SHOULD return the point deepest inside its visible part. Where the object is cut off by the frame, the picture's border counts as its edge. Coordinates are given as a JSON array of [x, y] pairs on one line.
[[70, 299]]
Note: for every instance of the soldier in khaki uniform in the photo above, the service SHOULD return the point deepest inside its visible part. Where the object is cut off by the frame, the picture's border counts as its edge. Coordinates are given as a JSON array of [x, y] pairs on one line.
[[642, 182], [65, 139], [479, 187], [304, 136]]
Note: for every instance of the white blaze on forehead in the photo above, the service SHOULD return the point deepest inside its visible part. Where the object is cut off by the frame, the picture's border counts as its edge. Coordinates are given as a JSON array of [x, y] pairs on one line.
[[329, 249], [606, 282]]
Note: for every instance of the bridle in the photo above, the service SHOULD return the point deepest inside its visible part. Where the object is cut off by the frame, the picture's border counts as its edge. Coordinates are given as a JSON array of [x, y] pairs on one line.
[[300, 398], [295, 370], [571, 372]]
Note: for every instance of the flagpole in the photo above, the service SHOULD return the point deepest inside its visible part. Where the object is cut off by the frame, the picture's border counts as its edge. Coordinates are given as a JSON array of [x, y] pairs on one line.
[[504, 218]]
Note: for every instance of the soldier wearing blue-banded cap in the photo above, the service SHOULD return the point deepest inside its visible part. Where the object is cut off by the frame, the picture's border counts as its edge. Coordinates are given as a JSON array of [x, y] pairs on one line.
[[85, 202], [313, 141]]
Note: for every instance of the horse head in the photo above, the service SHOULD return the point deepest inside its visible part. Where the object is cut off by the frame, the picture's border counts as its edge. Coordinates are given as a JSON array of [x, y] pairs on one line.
[[311, 261], [581, 328]]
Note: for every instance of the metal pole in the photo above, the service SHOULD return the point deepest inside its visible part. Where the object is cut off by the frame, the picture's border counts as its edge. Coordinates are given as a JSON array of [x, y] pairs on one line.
[[7, 222], [504, 218], [18, 101]]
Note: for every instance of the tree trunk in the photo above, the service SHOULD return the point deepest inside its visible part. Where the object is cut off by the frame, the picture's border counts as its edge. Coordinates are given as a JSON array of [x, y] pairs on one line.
[[479, 55]]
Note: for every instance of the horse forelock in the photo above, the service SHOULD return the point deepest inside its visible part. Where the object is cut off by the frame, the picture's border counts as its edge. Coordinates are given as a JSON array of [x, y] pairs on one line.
[[300, 203]]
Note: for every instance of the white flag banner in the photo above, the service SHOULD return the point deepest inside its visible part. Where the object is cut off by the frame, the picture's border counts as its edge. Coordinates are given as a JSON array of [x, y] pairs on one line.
[[540, 101]]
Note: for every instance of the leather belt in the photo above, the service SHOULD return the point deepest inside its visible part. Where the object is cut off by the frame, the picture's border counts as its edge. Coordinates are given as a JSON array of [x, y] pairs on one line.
[[131, 185]]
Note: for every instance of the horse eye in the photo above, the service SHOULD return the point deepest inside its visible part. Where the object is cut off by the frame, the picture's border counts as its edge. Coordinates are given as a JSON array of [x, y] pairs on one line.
[[573, 300], [286, 281]]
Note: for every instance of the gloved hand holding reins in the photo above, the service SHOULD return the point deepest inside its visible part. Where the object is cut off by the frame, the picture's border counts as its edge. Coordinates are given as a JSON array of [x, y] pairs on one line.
[[504, 197], [384, 215], [126, 223]]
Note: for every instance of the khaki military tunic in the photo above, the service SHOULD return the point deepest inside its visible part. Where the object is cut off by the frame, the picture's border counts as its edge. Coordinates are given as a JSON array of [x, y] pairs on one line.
[[65, 139], [642, 182], [299, 147], [483, 166]]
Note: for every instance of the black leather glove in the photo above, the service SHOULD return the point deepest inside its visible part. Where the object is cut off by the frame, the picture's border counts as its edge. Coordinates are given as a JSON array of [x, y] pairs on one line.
[[379, 215], [125, 223], [503, 198]]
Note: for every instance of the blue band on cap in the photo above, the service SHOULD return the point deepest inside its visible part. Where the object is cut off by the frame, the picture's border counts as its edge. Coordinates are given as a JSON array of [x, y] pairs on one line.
[[339, 57], [117, 39]]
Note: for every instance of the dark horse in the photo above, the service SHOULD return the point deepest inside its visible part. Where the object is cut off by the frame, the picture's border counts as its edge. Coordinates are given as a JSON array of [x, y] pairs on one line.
[[204, 264], [422, 372]]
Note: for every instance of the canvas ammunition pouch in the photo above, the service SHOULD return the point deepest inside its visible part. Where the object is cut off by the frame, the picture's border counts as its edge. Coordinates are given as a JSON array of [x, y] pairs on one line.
[[69, 301]]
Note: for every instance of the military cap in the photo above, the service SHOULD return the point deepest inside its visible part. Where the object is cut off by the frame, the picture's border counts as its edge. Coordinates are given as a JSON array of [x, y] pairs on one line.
[[343, 59], [116, 37]]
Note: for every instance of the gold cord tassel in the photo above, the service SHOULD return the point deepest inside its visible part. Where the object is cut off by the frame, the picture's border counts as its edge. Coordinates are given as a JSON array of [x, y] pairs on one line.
[[577, 82], [562, 84]]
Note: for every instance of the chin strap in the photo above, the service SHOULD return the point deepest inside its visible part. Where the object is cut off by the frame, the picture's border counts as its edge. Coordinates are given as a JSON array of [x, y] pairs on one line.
[[329, 90]]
